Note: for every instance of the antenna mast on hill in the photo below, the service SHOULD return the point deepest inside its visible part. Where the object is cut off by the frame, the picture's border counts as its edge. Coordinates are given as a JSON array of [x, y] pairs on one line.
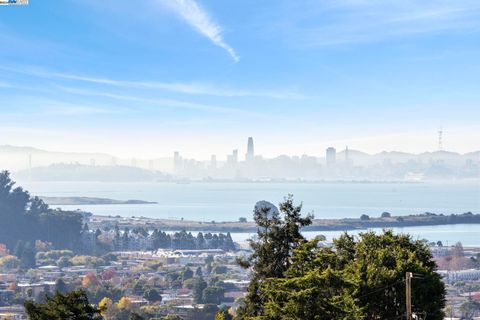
[[440, 139]]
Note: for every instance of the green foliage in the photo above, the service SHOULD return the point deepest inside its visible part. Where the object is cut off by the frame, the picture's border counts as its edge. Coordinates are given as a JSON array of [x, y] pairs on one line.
[[223, 315], [105, 290], [364, 217], [9, 262], [26, 253], [277, 236], [386, 215], [152, 295], [74, 306], [89, 261], [28, 219], [220, 269], [213, 295], [198, 288], [172, 317], [187, 274], [207, 313], [54, 254], [470, 309], [357, 279], [380, 263], [318, 294], [61, 286]]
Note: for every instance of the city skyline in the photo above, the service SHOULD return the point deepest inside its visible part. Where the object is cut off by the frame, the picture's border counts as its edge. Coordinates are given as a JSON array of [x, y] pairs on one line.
[[298, 76], [234, 152], [335, 163]]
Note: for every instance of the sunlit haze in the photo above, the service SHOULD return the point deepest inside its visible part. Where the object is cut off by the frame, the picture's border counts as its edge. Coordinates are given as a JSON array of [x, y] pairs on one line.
[[145, 79]]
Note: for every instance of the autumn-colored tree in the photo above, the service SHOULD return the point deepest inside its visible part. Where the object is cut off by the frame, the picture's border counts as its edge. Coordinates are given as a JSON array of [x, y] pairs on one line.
[[124, 304], [9, 262], [107, 308], [223, 315], [90, 280], [109, 274]]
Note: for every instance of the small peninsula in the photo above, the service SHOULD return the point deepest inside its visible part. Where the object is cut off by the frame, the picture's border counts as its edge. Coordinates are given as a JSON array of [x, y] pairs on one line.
[[60, 201]]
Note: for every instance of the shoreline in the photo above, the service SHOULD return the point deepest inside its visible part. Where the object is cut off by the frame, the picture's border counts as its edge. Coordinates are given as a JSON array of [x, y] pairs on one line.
[[345, 224]]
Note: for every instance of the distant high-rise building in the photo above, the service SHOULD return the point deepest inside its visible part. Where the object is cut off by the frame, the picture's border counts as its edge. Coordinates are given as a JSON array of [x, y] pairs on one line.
[[331, 156], [233, 158], [177, 161], [250, 150], [346, 154], [213, 161]]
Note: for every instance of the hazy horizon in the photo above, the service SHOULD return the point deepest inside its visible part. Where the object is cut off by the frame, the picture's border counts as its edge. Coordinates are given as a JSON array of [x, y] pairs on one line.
[[318, 153], [199, 77]]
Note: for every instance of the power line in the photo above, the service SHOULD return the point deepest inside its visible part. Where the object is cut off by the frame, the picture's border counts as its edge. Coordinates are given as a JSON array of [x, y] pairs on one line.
[[380, 289]]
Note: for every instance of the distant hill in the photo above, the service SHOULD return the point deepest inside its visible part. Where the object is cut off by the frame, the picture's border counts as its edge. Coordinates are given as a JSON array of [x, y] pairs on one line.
[[362, 158], [76, 172], [15, 158], [472, 155]]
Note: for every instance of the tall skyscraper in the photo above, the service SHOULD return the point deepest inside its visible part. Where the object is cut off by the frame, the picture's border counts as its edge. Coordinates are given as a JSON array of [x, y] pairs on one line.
[[250, 150], [213, 161], [177, 161], [235, 155], [346, 155], [331, 156]]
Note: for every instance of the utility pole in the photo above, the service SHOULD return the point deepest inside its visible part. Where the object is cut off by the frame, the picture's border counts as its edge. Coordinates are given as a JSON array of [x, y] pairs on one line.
[[408, 294]]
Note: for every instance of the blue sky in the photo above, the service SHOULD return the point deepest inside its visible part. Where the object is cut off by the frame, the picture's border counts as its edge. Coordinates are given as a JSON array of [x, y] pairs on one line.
[[145, 78]]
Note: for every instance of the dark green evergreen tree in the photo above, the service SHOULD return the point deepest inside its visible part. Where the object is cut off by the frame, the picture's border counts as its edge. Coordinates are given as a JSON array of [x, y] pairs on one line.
[[61, 286], [72, 306], [152, 295], [356, 279], [278, 234], [198, 286]]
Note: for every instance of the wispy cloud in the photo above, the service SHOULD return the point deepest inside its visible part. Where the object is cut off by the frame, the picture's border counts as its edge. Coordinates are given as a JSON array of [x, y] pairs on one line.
[[343, 22], [166, 103], [4, 85], [76, 110], [184, 88], [199, 18]]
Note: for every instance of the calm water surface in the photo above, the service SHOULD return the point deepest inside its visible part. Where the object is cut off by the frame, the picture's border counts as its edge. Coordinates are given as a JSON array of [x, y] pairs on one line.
[[229, 201]]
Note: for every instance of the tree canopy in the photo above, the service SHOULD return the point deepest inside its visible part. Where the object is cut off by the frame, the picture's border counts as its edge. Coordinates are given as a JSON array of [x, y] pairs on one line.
[[358, 278], [278, 234], [72, 306], [25, 218]]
